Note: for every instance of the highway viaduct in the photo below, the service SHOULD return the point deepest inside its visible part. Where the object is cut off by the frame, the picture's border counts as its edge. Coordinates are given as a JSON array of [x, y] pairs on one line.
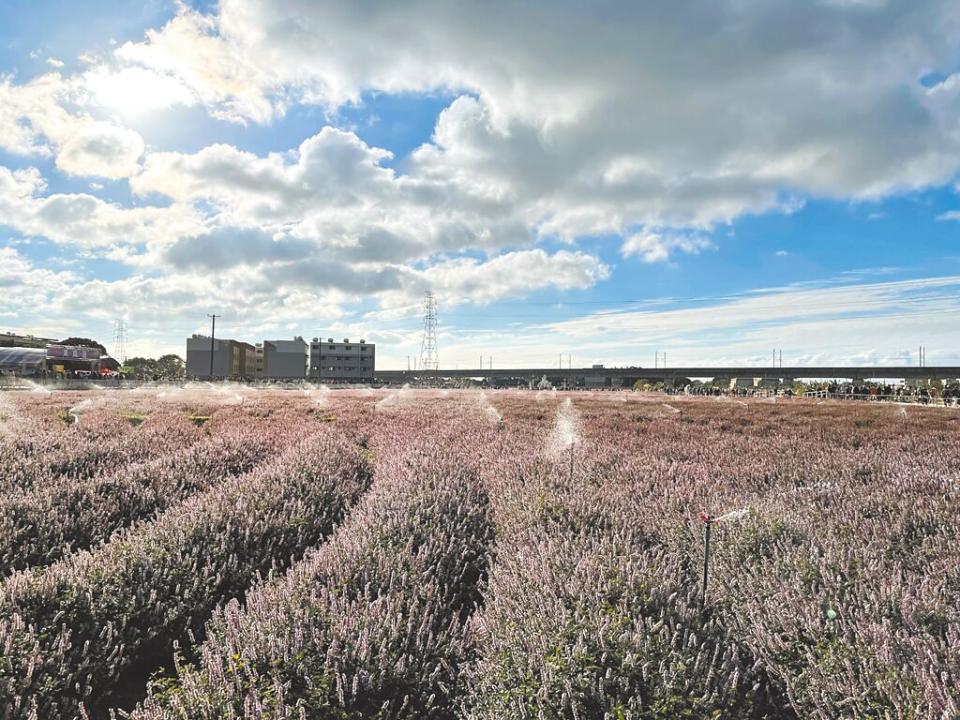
[[627, 376]]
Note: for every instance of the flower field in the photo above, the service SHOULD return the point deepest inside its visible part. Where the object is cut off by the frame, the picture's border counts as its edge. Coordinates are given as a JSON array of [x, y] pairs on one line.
[[227, 552]]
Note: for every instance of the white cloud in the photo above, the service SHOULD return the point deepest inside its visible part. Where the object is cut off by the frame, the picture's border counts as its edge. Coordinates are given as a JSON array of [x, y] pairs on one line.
[[624, 127], [31, 115], [25, 287], [101, 149], [773, 308], [949, 215], [825, 325], [233, 79], [512, 274], [83, 220], [54, 63], [654, 247], [42, 118], [333, 192]]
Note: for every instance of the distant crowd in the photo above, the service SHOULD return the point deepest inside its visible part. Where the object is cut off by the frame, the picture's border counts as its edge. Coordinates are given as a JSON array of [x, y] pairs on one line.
[[948, 394]]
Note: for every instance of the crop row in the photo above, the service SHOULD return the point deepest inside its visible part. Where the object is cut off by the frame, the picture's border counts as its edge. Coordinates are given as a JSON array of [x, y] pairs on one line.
[[94, 623], [590, 611], [851, 595], [370, 625], [44, 524], [69, 453]]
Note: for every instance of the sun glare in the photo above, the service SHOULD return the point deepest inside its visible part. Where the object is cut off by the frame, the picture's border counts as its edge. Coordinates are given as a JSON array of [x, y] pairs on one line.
[[134, 91]]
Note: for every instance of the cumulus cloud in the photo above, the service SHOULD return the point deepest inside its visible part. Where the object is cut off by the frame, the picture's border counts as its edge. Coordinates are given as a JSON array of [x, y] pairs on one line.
[[334, 167], [42, 118], [227, 247], [654, 247], [333, 191], [32, 116], [229, 76], [25, 286], [101, 149], [625, 126], [85, 221], [511, 274]]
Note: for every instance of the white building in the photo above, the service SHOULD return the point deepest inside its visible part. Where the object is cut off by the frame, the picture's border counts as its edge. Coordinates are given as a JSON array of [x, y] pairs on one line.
[[342, 361]]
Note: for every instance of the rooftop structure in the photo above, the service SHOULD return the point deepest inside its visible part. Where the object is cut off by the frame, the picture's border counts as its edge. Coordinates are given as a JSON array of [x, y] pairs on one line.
[[11, 339]]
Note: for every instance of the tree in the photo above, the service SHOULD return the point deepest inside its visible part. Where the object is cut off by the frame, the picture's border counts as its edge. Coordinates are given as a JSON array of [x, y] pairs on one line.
[[142, 367], [84, 342], [171, 366]]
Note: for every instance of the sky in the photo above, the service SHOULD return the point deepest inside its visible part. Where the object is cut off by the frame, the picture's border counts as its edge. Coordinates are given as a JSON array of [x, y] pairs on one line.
[[579, 182]]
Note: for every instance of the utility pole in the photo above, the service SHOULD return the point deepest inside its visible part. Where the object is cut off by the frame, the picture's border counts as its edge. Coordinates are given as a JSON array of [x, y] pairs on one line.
[[213, 332]]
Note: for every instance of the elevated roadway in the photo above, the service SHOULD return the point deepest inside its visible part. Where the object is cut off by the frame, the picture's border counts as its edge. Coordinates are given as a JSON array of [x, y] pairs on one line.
[[624, 376]]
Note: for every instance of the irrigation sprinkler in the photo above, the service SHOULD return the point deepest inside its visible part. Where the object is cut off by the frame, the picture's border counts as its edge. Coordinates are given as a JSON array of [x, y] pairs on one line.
[[707, 523], [571, 462]]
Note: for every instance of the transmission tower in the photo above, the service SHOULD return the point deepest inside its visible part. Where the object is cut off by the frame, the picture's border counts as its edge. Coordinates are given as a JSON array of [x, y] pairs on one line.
[[120, 341], [429, 358]]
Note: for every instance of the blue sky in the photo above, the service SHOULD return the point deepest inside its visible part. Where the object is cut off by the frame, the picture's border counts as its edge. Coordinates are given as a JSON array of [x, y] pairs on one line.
[[712, 180]]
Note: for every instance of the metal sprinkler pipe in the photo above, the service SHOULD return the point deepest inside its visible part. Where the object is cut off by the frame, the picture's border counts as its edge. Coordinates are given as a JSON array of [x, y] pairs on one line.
[[571, 463], [707, 523]]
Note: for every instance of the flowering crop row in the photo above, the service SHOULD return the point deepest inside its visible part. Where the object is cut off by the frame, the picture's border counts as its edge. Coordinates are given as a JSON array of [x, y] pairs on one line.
[[592, 612], [852, 601], [370, 625], [44, 524], [68, 453], [74, 633]]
